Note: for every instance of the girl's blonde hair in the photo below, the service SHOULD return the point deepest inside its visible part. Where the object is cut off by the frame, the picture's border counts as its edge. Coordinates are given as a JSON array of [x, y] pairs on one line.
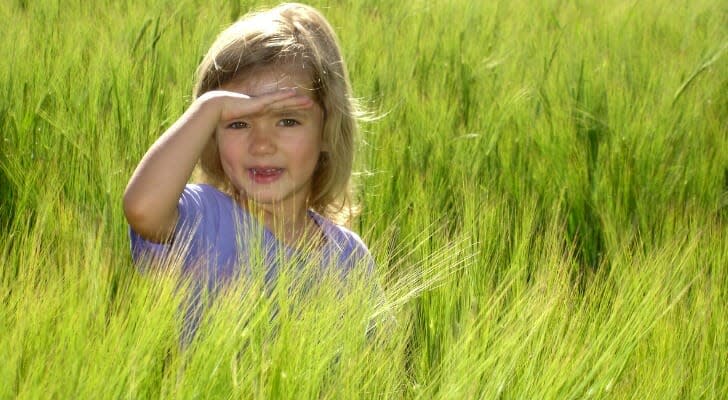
[[291, 34]]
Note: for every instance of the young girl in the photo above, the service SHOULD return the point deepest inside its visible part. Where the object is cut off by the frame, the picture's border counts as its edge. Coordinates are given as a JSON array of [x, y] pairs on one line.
[[272, 128]]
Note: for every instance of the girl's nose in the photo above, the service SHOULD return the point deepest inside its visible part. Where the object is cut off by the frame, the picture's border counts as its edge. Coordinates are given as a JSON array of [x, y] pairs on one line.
[[260, 143]]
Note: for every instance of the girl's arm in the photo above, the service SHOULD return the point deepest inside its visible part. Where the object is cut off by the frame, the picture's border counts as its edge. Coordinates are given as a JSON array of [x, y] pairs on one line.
[[151, 197]]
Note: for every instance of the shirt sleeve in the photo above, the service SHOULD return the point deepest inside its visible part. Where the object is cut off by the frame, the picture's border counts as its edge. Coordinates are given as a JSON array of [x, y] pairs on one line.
[[192, 208], [356, 253]]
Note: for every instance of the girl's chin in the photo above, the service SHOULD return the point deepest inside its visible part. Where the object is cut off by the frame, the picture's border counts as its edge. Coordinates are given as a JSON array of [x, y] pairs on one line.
[[264, 200], [268, 196], [262, 197]]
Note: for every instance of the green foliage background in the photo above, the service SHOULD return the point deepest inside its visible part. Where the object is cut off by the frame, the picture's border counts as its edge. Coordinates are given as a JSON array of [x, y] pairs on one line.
[[545, 192]]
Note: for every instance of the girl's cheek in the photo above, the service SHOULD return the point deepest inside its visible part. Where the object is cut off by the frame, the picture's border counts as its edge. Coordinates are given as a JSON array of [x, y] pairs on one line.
[[224, 143]]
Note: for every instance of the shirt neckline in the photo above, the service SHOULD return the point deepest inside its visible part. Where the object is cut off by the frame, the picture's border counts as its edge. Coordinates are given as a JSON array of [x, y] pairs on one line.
[[318, 219]]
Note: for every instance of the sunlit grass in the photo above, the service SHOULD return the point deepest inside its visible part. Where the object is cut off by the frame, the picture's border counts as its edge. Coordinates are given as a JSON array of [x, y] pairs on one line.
[[545, 193]]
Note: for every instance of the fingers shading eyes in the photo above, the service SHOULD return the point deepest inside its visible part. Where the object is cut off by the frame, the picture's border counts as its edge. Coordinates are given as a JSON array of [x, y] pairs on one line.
[[279, 102], [293, 103]]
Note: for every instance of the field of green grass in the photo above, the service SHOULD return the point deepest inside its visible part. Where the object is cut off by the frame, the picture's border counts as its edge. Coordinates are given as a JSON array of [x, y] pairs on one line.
[[545, 191]]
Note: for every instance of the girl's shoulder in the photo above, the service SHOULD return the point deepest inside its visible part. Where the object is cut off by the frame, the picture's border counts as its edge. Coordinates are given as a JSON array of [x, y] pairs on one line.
[[203, 191], [347, 242], [203, 211], [198, 199], [337, 232]]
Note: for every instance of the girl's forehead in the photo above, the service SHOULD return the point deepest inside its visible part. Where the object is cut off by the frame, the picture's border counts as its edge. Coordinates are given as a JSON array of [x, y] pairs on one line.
[[264, 80]]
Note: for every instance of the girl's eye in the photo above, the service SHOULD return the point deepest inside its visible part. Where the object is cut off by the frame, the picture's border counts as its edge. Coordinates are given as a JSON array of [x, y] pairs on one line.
[[238, 125], [288, 122]]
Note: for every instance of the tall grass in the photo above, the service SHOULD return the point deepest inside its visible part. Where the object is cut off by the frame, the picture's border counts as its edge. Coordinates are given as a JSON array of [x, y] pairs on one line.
[[545, 193]]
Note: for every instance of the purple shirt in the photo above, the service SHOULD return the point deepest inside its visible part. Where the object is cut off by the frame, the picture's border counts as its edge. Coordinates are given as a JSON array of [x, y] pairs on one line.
[[214, 237], [213, 243]]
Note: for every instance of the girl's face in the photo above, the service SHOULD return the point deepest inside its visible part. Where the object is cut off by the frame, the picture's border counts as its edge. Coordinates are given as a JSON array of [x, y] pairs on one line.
[[270, 157]]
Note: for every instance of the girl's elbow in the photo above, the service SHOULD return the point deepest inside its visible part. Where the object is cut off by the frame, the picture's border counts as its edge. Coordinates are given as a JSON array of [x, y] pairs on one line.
[[133, 210], [151, 221], [136, 217], [140, 218]]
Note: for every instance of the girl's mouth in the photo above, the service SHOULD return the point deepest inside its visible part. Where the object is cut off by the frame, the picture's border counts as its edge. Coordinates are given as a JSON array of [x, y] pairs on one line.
[[264, 175]]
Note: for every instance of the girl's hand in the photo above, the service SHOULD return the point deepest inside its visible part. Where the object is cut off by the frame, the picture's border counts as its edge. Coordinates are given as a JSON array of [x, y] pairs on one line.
[[234, 105]]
